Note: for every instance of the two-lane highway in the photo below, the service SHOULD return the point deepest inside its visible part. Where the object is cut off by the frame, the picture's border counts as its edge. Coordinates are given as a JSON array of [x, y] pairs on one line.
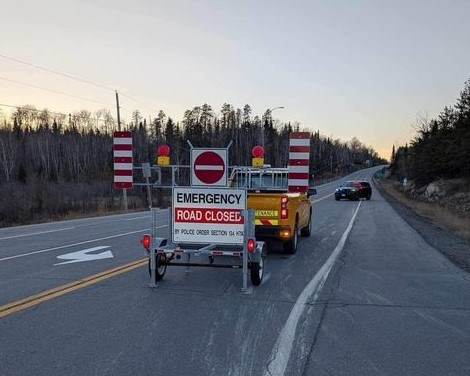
[[364, 295]]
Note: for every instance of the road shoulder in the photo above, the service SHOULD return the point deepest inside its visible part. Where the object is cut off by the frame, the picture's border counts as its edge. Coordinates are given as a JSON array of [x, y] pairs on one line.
[[454, 248]]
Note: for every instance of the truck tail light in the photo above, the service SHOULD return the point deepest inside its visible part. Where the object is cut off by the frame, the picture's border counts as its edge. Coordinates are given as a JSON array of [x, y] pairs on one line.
[[145, 241], [250, 245], [284, 210], [284, 233]]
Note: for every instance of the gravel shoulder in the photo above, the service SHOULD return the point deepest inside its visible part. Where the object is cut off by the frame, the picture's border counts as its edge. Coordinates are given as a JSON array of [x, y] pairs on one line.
[[454, 248]]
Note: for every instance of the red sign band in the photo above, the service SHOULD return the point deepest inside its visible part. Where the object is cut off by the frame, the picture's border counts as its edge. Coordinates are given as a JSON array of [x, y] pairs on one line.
[[204, 215]]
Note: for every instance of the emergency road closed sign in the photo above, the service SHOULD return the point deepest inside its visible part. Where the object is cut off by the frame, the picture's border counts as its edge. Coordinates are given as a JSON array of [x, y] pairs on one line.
[[206, 216]]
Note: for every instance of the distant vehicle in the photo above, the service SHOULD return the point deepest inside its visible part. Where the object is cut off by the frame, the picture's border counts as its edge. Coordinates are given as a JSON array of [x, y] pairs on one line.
[[354, 190]]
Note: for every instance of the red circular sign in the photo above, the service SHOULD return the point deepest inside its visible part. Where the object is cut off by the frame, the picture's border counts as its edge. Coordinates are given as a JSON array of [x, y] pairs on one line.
[[209, 167]]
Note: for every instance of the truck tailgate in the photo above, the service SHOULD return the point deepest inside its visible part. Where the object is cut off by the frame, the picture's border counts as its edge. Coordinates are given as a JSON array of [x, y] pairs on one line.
[[267, 208]]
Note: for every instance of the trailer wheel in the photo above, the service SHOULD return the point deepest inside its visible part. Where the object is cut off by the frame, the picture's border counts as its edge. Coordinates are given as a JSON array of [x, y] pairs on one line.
[[257, 272], [160, 268]]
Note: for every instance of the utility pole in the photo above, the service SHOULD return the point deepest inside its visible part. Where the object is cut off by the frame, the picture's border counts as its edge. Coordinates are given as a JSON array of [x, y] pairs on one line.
[[124, 191]]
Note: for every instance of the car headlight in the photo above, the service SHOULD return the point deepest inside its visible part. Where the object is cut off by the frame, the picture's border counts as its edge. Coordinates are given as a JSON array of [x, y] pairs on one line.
[[354, 190], [337, 190]]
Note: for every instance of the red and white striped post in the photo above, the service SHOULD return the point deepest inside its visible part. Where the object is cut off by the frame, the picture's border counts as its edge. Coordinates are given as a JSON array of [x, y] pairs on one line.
[[299, 155], [122, 152]]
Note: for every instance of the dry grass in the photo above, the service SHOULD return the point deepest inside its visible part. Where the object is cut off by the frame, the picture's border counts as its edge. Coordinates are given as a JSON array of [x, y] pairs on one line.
[[458, 224]]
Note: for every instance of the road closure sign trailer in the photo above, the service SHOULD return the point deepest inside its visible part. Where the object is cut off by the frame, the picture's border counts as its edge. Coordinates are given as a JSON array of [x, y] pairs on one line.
[[208, 216]]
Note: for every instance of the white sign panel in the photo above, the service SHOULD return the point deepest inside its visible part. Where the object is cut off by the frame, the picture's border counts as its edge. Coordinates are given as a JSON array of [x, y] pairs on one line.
[[205, 216], [209, 167]]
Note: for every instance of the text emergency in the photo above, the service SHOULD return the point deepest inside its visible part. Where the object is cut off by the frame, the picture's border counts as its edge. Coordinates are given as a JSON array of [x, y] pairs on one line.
[[203, 215], [208, 198]]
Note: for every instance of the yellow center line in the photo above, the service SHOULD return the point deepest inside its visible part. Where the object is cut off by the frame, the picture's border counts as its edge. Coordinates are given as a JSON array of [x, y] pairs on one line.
[[320, 199], [55, 292]]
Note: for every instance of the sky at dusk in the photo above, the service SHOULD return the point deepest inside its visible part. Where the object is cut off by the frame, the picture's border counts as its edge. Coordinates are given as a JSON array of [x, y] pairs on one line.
[[346, 68]]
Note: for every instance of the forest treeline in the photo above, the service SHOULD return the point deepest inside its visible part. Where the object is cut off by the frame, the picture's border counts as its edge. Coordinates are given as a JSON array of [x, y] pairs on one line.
[[52, 164], [441, 147]]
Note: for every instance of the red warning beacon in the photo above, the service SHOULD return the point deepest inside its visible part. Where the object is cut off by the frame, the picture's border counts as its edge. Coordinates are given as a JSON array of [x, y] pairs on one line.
[[163, 152], [258, 156]]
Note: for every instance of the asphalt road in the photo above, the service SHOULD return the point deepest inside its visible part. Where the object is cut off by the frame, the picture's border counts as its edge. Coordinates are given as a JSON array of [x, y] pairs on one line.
[[364, 295]]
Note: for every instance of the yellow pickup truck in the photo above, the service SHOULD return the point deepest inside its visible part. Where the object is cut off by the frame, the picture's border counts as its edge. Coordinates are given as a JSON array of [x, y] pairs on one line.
[[279, 214]]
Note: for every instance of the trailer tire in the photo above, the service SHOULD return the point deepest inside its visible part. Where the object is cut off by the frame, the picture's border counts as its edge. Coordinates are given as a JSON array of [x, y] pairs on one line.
[[160, 268], [257, 271]]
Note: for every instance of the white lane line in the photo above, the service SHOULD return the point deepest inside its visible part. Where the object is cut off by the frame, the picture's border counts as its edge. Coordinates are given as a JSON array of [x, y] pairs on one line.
[[323, 198], [280, 354], [94, 221], [75, 244], [36, 233]]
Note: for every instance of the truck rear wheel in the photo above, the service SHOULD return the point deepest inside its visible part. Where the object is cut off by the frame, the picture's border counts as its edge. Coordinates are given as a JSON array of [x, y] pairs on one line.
[[307, 230], [290, 246]]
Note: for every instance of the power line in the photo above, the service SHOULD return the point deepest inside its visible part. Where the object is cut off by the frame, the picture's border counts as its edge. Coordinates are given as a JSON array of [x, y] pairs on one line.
[[72, 114], [136, 101], [54, 91], [33, 109], [56, 72], [73, 78]]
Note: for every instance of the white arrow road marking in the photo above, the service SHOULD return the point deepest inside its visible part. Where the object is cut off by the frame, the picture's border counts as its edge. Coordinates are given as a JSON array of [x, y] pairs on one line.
[[75, 244], [84, 255]]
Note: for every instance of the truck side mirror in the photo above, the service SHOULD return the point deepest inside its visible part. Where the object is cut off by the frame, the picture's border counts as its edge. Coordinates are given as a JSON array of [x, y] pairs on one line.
[[311, 192]]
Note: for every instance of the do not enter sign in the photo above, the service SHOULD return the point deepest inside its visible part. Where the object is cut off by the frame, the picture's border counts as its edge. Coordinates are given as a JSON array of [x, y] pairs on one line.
[[209, 167]]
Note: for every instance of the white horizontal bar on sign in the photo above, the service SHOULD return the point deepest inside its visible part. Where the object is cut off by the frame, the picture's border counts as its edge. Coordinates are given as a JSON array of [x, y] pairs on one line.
[[123, 141], [299, 169], [122, 179], [299, 142], [208, 167], [122, 153], [299, 155], [123, 166], [302, 182]]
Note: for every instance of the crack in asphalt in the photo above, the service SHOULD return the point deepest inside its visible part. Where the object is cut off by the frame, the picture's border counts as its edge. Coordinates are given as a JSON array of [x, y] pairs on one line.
[[373, 305]]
